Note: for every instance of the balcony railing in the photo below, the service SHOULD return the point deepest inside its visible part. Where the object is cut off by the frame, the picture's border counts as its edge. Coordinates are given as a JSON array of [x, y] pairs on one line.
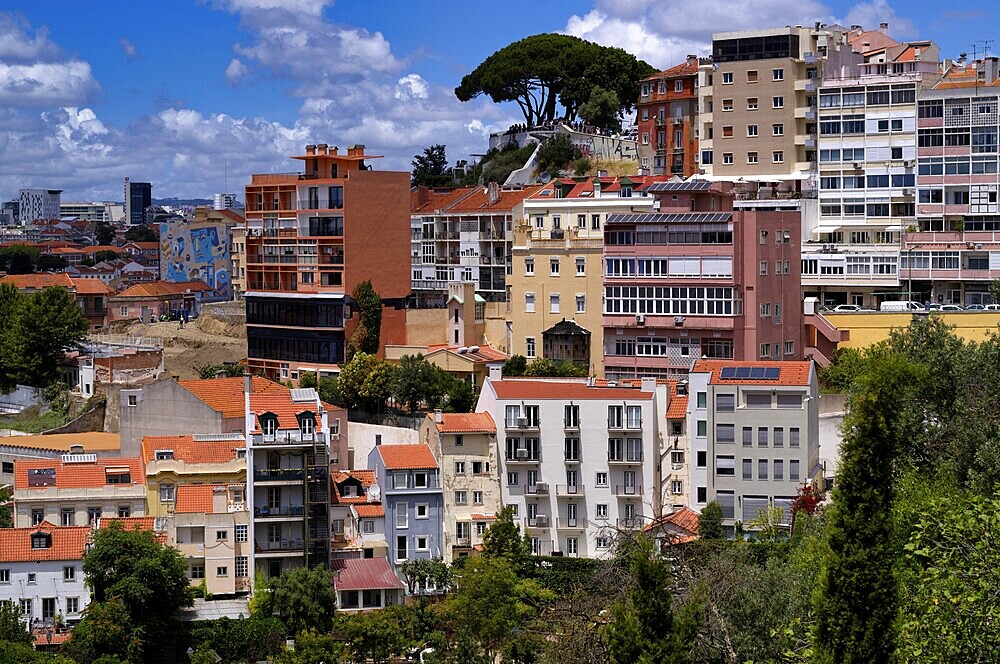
[[571, 524], [631, 457], [286, 437], [283, 510], [569, 489], [321, 204], [527, 458], [633, 523], [628, 490], [291, 545], [539, 521], [279, 474], [539, 488]]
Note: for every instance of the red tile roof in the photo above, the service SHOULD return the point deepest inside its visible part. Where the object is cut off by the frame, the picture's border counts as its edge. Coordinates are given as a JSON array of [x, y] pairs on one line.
[[364, 574], [484, 517], [682, 525], [365, 477], [196, 498], [68, 543], [677, 408], [162, 289], [465, 423], [478, 201], [101, 247], [369, 510], [186, 449], [130, 522], [482, 355], [87, 475], [438, 200], [407, 457], [521, 388], [91, 287], [38, 281], [792, 373], [225, 395], [683, 69], [282, 406]]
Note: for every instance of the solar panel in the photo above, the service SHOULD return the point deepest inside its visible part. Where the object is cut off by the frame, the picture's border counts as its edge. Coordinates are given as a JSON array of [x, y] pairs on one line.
[[742, 373], [757, 373], [693, 185], [750, 373], [773, 373], [728, 373], [669, 217]]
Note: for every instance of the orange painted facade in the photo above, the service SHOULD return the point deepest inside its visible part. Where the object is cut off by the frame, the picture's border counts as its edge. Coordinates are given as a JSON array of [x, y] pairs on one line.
[[667, 116]]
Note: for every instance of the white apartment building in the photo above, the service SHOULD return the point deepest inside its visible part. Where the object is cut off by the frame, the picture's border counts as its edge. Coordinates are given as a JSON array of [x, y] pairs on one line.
[[41, 571], [755, 435], [576, 462], [867, 166], [38, 204], [94, 212], [464, 445], [225, 201], [210, 526]]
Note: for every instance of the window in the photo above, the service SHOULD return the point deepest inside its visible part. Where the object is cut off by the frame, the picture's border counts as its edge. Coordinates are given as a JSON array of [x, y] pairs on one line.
[[399, 480], [778, 157], [477, 497], [197, 571], [571, 449], [777, 74], [368, 526], [702, 494], [166, 492], [240, 533], [66, 517], [601, 511], [725, 433], [422, 543], [751, 76], [793, 437], [727, 104], [761, 469], [26, 607], [581, 304], [793, 470], [702, 428], [241, 565], [789, 348], [747, 469], [763, 267], [420, 480], [32, 577], [725, 403], [778, 129], [751, 157], [602, 479], [727, 78], [554, 267], [461, 497], [701, 459], [72, 605], [69, 573], [751, 103], [581, 266], [725, 465], [779, 469], [4, 576], [727, 131], [529, 266], [777, 102], [702, 399], [459, 442], [512, 479], [595, 221], [221, 535], [529, 303], [402, 515], [222, 571], [752, 130], [460, 468], [679, 86], [554, 303], [529, 347]]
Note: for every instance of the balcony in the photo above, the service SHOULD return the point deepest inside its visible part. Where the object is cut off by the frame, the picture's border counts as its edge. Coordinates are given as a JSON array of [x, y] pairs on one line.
[[280, 548], [539, 521], [463, 541], [282, 511], [306, 204], [571, 424], [571, 524], [279, 474], [569, 490], [537, 489], [572, 460], [521, 423], [523, 459], [631, 523], [622, 425], [628, 490], [288, 437]]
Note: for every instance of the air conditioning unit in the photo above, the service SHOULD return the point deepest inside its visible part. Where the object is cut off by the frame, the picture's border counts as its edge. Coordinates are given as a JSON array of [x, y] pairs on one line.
[[542, 520], [677, 466], [522, 422], [522, 453], [909, 163], [640, 319], [858, 165], [542, 487], [678, 320], [908, 192]]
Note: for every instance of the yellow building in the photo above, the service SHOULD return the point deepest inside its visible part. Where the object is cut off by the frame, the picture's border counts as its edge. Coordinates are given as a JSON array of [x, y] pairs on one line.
[[556, 270], [867, 328], [173, 461]]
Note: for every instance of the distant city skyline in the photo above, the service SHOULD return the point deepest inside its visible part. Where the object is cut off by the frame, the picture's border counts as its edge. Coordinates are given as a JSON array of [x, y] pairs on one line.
[[197, 98]]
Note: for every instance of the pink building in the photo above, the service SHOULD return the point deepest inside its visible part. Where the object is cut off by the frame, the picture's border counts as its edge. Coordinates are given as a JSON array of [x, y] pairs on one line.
[[698, 279]]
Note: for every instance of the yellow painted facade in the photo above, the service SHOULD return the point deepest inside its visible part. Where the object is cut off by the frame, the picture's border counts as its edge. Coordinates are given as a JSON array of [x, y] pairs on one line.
[[871, 327], [177, 473]]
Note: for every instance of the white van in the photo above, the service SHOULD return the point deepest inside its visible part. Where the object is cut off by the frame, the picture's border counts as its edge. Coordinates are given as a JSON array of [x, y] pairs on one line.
[[901, 305]]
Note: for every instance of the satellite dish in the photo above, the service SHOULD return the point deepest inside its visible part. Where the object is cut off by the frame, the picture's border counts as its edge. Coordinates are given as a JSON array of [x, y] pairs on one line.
[[374, 493], [545, 177]]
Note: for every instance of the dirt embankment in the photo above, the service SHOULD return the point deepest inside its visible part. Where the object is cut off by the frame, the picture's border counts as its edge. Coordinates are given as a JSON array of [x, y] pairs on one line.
[[206, 340]]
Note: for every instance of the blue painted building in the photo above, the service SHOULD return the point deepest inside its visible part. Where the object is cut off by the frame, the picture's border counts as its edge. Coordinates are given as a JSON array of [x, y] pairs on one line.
[[412, 498]]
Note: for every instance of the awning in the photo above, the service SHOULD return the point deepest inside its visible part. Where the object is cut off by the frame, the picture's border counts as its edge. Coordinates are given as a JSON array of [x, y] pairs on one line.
[[125, 470]]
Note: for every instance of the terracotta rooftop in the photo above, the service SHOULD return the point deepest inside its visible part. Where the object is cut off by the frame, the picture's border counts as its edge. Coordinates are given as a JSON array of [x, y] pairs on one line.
[[677, 408], [364, 574], [93, 441], [45, 473], [196, 498], [38, 281], [407, 457], [681, 524], [91, 287], [437, 200], [134, 523], [478, 201], [683, 69], [187, 449], [369, 510], [483, 354], [160, 289], [875, 39], [364, 477], [67, 543], [522, 388], [465, 423], [225, 395], [791, 373], [484, 517], [282, 406]]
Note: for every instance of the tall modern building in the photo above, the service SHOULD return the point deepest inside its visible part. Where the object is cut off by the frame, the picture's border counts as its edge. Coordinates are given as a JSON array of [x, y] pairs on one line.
[[667, 115], [311, 237], [138, 197], [36, 204], [226, 201], [93, 212]]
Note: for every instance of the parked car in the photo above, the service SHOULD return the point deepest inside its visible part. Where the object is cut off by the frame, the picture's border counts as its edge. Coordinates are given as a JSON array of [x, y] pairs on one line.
[[846, 308], [975, 307], [950, 307], [993, 307], [901, 305]]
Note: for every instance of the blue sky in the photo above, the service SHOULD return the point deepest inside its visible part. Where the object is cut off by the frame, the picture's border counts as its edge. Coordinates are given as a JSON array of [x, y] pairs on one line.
[[170, 91]]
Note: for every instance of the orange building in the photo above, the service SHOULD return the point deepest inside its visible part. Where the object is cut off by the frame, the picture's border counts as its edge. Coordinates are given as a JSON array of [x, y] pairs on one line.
[[311, 237], [667, 115]]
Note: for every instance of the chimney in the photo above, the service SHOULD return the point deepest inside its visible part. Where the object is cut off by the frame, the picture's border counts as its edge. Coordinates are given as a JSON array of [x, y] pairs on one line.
[[991, 68], [855, 27], [492, 193], [321, 148], [247, 384], [310, 149], [421, 195], [866, 46], [648, 384], [961, 60], [692, 60], [916, 52], [496, 372], [356, 150], [333, 150], [438, 417], [597, 185], [883, 28], [76, 449]]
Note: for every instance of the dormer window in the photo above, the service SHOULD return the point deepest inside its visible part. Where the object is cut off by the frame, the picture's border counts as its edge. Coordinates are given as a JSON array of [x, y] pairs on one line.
[[164, 455], [307, 424], [41, 541], [118, 475], [268, 425]]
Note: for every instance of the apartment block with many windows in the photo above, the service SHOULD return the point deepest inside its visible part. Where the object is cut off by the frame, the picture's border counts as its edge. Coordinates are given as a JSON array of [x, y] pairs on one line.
[[577, 462], [954, 254], [210, 526], [311, 237], [667, 115], [754, 435], [699, 279]]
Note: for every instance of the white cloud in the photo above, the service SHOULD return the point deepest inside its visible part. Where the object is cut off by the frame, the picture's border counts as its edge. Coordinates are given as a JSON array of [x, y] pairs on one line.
[[873, 12], [45, 84], [411, 86], [128, 48], [18, 44], [235, 71]]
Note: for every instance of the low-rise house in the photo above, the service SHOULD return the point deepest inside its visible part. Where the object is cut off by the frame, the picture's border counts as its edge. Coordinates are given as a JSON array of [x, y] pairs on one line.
[[149, 301], [211, 528], [411, 488], [357, 518], [77, 489], [464, 445], [90, 294], [366, 584], [41, 569], [467, 363], [173, 462]]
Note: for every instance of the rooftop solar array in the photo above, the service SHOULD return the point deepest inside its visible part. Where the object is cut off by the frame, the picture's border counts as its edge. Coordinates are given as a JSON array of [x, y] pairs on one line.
[[750, 373], [669, 217], [693, 185]]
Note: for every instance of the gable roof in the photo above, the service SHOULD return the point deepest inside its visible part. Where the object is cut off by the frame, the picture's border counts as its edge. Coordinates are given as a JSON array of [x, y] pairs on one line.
[[521, 388], [407, 457], [364, 574], [189, 450], [68, 543], [161, 289], [791, 373], [87, 475], [225, 395], [465, 423], [38, 281], [364, 477], [369, 510], [196, 498], [567, 327], [281, 405], [685, 68], [91, 287], [682, 524]]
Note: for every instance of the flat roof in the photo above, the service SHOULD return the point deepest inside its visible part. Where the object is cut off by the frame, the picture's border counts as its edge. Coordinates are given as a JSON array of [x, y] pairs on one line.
[[93, 441]]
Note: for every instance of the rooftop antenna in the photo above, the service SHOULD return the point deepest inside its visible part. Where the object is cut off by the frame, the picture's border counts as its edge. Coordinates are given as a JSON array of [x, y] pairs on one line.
[[984, 45]]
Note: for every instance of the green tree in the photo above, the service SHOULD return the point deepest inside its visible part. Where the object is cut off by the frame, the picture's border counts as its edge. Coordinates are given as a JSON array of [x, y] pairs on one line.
[[366, 335], [497, 166], [141, 234], [504, 539], [515, 365], [461, 396], [105, 255], [545, 367], [308, 379], [226, 369], [302, 598], [12, 628], [710, 522], [365, 382], [602, 109], [556, 152], [416, 381], [767, 525], [51, 263], [107, 630], [313, 647], [6, 513], [382, 635], [10, 304], [245, 640], [18, 259], [432, 572], [47, 322], [329, 391], [644, 627], [104, 234], [856, 608], [431, 168]]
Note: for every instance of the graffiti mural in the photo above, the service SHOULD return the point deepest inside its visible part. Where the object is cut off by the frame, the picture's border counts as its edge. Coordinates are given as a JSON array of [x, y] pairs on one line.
[[196, 251]]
